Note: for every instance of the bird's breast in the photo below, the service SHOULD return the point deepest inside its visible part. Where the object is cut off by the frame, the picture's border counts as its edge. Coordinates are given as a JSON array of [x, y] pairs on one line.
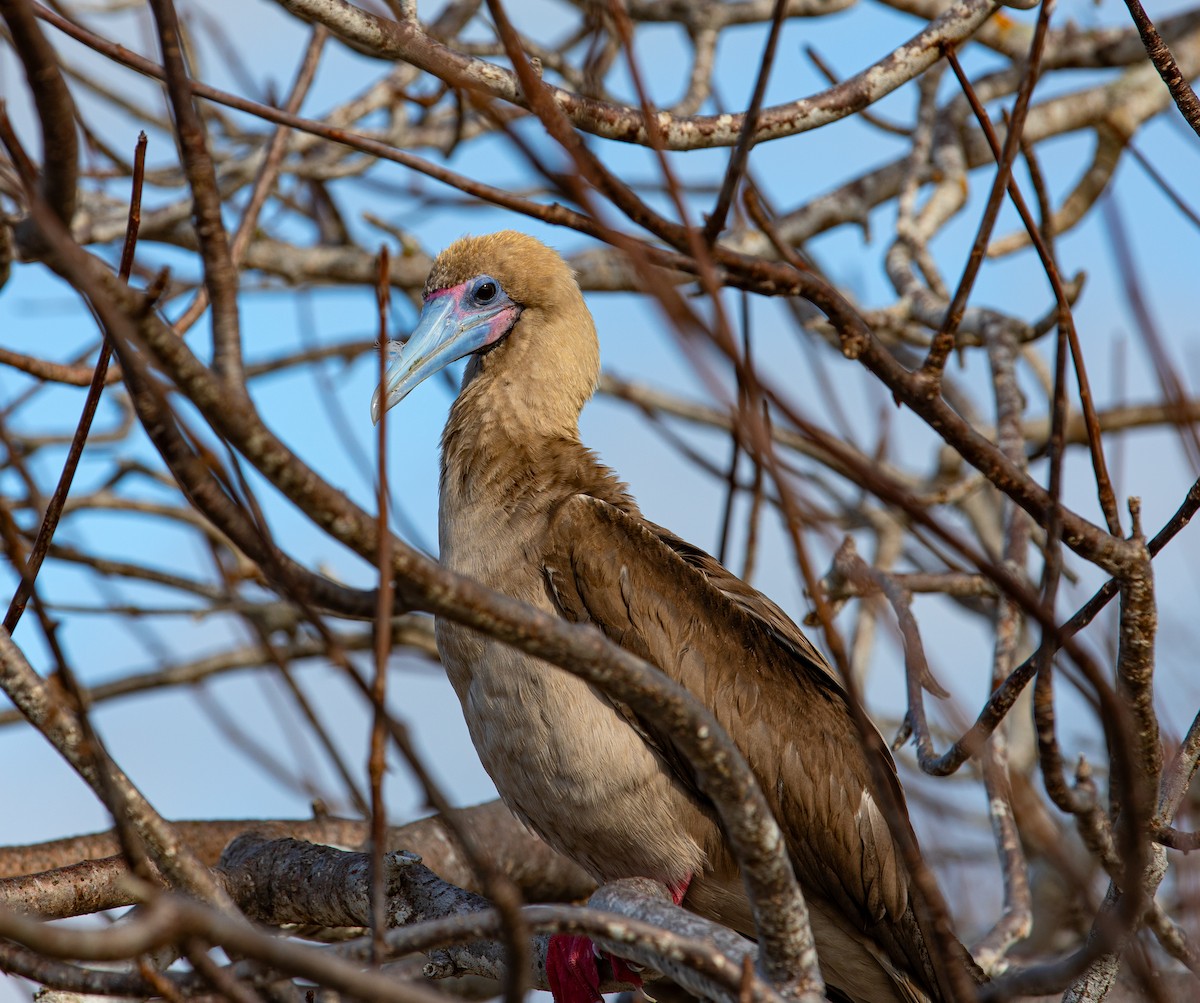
[[561, 756], [570, 767]]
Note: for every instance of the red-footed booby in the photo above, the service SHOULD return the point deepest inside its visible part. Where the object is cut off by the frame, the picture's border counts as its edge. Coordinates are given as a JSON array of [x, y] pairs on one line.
[[528, 510]]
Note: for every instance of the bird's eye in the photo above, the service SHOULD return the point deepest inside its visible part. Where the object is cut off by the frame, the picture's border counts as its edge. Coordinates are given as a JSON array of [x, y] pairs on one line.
[[486, 291]]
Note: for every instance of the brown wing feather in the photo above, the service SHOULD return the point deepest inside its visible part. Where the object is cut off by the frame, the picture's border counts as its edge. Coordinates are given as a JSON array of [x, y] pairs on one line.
[[747, 598], [678, 608], [807, 658]]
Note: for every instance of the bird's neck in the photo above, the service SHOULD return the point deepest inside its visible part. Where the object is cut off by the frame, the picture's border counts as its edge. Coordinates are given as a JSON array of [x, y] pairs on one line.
[[511, 449], [497, 421], [504, 457], [494, 450], [522, 399]]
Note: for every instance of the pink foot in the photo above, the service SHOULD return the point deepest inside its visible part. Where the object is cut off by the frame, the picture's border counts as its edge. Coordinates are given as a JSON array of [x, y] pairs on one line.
[[571, 966]]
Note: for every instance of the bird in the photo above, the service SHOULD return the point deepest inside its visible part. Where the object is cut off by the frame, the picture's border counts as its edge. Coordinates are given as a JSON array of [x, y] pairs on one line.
[[528, 510]]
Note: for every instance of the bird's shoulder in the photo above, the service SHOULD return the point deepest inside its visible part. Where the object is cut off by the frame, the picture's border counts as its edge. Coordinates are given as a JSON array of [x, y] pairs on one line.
[[615, 568]]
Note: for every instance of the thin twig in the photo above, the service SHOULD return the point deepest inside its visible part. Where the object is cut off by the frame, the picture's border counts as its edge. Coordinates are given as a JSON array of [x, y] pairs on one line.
[[220, 274], [741, 152], [378, 756], [1160, 55], [1042, 240], [54, 509], [943, 341]]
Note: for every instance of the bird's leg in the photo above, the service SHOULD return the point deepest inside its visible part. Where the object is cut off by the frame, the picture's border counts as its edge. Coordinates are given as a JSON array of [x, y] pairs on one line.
[[571, 967], [679, 889]]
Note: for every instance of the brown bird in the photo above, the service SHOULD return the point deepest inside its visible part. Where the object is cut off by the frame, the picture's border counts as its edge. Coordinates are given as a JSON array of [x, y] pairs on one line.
[[528, 510]]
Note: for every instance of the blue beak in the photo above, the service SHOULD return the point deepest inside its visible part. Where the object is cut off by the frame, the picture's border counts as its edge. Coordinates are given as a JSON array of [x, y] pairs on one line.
[[445, 332]]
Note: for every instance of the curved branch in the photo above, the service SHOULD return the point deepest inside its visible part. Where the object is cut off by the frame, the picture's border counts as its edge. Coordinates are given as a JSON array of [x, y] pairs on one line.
[[170, 919], [377, 36]]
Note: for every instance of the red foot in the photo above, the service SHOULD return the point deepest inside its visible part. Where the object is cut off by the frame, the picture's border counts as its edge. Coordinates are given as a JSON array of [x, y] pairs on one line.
[[571, 962], [572, 972]]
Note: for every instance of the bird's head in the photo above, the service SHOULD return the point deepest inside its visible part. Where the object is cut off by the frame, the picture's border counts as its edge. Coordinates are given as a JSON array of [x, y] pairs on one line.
[[507, 296]]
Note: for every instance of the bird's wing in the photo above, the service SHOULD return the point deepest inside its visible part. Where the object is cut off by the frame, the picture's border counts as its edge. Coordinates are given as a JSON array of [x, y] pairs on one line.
[[677, 608], [747, 598]]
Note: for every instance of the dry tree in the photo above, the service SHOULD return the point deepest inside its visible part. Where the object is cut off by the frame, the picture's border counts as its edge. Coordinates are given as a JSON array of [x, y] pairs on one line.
[[887, 399]]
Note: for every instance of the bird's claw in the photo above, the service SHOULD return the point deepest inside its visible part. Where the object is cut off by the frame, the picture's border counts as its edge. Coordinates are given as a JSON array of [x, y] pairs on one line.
[[572, 971]]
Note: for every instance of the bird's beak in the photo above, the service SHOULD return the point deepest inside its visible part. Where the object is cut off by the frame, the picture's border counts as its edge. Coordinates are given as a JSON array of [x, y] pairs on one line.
[[446, 331]]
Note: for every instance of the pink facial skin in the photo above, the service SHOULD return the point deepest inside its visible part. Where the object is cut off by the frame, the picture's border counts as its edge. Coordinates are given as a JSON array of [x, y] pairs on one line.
[[496, 328]]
